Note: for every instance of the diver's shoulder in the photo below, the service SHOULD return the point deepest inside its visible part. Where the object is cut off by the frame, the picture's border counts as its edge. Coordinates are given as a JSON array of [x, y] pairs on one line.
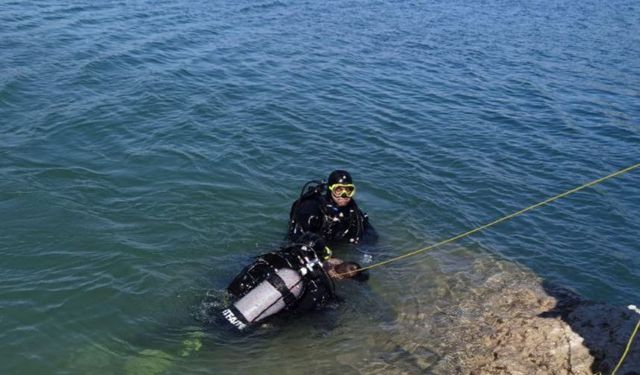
[[310, 204]]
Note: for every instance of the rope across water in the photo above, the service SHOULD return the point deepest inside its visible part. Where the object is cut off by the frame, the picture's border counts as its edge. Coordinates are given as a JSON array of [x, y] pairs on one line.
[[500, 220]]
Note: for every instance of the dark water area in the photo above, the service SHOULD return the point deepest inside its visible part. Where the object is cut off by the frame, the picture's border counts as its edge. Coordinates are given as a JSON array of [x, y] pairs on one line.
[[149, 149]]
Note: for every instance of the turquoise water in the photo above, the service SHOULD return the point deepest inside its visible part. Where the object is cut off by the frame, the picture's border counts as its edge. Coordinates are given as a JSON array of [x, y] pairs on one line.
[[149, 149]]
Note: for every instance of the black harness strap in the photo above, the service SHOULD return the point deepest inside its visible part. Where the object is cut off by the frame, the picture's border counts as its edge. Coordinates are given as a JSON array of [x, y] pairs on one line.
[[279, 284]]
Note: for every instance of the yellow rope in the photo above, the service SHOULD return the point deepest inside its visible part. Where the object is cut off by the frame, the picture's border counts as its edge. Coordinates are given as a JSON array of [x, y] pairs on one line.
[[626, 351], [505, 218]]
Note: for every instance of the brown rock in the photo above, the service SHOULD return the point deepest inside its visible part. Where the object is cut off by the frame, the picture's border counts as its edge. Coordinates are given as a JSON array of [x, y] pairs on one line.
[[511, 323]]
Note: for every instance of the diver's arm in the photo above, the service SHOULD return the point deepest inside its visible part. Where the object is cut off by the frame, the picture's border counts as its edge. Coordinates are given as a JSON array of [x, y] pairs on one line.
[[370, 235]]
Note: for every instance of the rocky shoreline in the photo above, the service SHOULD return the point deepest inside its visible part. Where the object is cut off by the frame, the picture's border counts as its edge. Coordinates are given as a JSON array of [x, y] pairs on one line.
[[550, 331], [510, 323]]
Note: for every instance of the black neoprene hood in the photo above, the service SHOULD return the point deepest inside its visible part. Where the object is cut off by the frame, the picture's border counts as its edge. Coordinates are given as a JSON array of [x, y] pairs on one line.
[[339, 177]]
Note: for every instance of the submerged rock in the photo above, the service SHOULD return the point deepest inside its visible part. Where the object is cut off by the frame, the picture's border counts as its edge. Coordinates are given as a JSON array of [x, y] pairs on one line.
[[517, 340], [509, 322]]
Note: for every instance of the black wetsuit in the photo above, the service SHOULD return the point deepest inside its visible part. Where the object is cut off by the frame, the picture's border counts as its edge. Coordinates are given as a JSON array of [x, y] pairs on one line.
[[318, 213]]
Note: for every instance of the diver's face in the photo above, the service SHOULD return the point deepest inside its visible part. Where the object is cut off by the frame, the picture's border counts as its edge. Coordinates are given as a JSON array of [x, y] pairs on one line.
[[339, 199]]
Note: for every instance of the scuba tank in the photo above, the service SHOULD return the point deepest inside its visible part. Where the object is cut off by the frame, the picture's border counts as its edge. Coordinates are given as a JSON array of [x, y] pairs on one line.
[[286, 280], [311, 189], [268, 297]]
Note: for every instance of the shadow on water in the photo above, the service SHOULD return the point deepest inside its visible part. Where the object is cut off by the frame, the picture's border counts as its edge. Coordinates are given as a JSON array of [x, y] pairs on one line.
[[605, 329]]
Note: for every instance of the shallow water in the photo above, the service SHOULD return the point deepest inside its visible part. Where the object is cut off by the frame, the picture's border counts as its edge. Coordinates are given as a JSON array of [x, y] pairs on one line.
[[148, 150]]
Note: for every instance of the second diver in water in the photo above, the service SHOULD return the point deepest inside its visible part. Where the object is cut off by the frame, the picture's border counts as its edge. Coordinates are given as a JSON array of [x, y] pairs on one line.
[[297, 278]]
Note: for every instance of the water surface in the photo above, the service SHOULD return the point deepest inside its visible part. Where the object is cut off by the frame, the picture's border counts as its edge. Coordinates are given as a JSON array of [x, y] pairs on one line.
[[149, 149]]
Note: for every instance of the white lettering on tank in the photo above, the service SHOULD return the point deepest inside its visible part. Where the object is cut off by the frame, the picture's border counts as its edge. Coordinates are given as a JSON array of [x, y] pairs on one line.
[[230, 316]]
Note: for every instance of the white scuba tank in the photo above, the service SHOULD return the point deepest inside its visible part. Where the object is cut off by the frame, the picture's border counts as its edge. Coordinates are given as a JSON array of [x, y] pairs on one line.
[[264, 300]]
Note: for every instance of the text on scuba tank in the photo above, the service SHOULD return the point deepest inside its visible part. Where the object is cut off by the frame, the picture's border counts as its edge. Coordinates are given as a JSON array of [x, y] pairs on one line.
[[232, 319]]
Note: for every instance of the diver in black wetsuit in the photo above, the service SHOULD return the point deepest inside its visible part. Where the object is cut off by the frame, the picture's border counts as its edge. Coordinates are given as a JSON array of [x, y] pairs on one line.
[[329, 210]]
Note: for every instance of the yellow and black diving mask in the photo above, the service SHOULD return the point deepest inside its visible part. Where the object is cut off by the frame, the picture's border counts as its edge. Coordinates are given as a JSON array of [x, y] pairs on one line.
[[343, 190]]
